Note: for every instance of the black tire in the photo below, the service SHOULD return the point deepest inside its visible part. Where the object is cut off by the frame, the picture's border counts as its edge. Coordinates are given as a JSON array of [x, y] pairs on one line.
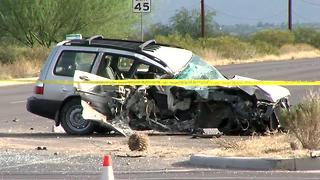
[[229, 127], [72, 121], [102, 129]]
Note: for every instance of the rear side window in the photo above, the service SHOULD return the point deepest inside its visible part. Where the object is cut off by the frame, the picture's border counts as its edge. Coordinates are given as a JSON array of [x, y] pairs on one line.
[[69, 61]]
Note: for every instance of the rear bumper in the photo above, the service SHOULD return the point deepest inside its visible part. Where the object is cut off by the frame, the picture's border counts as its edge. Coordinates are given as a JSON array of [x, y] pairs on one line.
[[43, 107]]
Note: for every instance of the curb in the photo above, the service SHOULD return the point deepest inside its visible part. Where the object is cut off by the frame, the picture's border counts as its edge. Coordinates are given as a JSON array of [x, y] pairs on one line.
[[14, 81], [254, 163]]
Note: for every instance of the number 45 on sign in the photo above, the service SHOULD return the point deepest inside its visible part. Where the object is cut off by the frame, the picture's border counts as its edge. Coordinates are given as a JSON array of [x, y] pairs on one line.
[[141, 6]]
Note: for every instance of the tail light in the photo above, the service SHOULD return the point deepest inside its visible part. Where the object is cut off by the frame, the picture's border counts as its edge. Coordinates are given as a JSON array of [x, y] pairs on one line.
[[39, 88]]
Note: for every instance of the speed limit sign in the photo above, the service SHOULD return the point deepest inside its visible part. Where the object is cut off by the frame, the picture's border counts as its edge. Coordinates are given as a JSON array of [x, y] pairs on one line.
[[141, 6]]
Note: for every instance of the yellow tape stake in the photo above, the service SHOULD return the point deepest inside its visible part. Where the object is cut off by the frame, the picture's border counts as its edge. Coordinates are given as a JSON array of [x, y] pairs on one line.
[[175, 82]]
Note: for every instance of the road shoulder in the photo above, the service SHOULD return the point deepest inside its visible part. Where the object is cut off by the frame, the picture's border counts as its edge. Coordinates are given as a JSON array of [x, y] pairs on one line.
[[20, 81], [254, 163]]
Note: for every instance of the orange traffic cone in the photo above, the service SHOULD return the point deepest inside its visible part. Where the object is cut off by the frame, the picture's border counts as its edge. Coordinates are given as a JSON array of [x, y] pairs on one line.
[[107, 173]]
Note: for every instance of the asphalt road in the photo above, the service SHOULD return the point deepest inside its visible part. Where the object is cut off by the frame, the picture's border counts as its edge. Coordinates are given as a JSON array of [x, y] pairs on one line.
[[193, 174], [13, 115], [17, 122]]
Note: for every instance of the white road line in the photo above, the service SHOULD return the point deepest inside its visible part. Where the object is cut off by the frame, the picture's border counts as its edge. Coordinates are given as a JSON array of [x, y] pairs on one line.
[[17, 102], [191, 170], [226, 178]]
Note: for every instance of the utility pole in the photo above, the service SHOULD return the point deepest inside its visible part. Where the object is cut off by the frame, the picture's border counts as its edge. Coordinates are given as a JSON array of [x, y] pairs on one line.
[[290, 15], [202, 19], [141, 26]]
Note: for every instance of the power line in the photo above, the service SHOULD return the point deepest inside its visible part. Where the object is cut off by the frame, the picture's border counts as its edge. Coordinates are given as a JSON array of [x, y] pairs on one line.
[[300, 16], [311, 3], [246, 18]]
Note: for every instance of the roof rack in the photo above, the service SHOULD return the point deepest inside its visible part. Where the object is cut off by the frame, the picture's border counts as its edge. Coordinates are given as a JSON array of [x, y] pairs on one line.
[[94, 38], [128, 45], [142, 46], [98, 40]]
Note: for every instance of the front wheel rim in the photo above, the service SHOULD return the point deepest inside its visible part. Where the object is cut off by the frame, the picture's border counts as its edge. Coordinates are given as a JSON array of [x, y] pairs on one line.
[[75, 120]]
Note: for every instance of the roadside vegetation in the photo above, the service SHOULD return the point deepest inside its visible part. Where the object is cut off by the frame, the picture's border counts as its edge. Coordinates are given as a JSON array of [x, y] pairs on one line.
[[30, 28], [274, 146], [302, 123], [17, 62], [261, 46]]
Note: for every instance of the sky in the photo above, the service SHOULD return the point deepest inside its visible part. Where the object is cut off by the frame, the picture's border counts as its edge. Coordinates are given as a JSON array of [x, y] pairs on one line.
[[230, 12]]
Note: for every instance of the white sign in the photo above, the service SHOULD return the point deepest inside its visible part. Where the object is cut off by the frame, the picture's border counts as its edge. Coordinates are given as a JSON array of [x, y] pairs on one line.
[[141, 6]]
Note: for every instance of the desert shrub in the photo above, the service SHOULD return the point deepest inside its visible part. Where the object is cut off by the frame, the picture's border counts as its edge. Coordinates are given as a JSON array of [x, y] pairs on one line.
[[186, 41], [38, 54], [264, 48], [8, 55], [293, 48], [12, 54], [20, 70], [303, 120], [16, 62], [269, 42], [274, 37], [230, 47], [209, 54], [308, 36], [225, 46]]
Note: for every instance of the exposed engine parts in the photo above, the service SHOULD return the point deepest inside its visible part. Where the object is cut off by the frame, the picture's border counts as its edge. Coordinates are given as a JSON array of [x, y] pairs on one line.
[[178, 109]]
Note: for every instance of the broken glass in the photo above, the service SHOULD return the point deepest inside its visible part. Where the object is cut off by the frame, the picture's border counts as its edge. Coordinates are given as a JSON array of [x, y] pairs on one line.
[[199, 69]]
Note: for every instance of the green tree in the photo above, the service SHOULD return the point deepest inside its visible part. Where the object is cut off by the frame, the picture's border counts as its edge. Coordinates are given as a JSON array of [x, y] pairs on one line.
[[188, 22], [42, 22], [160, 29]]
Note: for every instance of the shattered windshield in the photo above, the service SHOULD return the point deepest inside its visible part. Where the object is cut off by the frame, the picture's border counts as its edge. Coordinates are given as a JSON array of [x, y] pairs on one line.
[[199, 69]]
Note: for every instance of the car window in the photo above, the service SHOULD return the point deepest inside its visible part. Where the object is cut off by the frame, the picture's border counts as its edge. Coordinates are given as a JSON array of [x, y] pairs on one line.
[[125, 63], [105, 69], [69, 61], [143, 68], [146, 71]]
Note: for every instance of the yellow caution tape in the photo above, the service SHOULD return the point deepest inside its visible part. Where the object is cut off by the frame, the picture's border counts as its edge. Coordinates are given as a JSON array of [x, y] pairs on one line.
[[175, 82]]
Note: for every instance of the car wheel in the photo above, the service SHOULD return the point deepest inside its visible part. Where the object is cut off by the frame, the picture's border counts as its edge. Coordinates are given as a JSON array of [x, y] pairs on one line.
[[72, 121], [229, 127], [102, 129]]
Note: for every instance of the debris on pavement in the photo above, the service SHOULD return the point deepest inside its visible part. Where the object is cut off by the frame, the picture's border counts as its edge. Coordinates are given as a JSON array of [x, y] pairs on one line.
[[15, 120], [315, 154], [39, 148], [131, 155], [207, 133], [138, 142], [57, 129]]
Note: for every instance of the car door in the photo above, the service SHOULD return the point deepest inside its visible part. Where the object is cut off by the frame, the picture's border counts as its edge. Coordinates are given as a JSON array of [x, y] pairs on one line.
[[59, 85]]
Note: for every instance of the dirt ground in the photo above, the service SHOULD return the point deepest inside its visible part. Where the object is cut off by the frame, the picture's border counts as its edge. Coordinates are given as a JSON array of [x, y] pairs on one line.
[[161, 146]]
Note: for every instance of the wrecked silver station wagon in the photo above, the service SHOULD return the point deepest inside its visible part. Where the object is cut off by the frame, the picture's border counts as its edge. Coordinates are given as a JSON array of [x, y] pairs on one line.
[[233, 110]]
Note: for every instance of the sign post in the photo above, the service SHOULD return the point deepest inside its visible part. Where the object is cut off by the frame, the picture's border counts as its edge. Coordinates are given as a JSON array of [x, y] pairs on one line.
[[141, 6]]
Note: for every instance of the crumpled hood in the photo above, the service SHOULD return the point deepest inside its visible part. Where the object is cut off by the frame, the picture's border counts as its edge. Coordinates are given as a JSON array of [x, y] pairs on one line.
[[268, 93]]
